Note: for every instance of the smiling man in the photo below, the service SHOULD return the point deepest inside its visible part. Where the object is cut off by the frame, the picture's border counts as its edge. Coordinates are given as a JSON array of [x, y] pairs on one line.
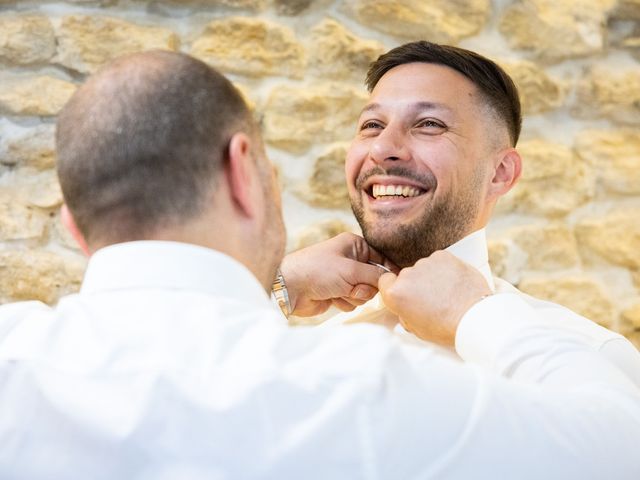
[[435, 149]]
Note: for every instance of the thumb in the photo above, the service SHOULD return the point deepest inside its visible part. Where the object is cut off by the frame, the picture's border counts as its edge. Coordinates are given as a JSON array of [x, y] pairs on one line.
[[385, 281]]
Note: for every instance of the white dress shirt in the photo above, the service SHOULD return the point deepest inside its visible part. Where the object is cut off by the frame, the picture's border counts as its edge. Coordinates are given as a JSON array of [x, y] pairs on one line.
[[473, 250], [172, 363]]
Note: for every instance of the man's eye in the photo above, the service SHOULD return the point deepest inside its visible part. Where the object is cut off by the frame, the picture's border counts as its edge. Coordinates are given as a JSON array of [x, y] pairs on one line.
[[370, 124], [430, 124]]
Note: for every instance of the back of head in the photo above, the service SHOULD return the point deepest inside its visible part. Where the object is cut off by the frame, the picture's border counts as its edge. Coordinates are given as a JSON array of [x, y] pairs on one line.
[[495, 86], [140, 144]]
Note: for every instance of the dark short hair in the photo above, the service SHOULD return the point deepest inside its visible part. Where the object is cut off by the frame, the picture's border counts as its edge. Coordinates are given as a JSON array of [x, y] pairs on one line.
[[140, 144], [494, 84]]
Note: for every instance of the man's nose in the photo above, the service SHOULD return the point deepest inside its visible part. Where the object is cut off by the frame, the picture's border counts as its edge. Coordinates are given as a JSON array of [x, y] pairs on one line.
[[389, 145]]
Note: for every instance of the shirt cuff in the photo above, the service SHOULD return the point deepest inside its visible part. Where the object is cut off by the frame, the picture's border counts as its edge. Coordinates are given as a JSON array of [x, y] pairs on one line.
[[491, 324]]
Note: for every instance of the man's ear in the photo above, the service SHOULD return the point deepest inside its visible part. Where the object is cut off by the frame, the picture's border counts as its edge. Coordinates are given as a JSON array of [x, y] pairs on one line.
[[507, 172], [69, 222], [242, 175]]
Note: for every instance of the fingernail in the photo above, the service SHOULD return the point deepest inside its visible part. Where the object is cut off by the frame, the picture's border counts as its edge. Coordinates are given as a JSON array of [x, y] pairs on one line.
[[361, 294]]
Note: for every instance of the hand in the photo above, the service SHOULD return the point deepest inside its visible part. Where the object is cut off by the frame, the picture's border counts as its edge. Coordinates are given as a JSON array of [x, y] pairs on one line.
[[334, 272], [431, 297]]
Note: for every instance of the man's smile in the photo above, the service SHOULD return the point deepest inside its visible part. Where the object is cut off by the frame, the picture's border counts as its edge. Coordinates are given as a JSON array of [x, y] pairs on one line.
[[393, 191]]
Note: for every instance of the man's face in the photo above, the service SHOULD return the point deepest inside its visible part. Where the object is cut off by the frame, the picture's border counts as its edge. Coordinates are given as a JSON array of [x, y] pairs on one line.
[[418, 168]]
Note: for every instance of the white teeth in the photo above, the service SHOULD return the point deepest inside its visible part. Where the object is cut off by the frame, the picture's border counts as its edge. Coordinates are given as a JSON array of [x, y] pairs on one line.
[[394, 190]]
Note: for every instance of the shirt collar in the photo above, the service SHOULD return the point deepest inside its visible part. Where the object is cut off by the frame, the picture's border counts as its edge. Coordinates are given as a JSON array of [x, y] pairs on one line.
[[473, 250], [170, 265]]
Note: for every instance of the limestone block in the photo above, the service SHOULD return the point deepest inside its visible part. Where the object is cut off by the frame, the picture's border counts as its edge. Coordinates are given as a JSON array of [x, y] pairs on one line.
[[26, 39], [251, 47], [34, 149], [554, 31], [554, 181], [579, 293], [538, 91], [85, 43], [548, 247], [613, 95], [37, 275], [630, 319], [297, 117], [41, 189], [506, 259], [615, 156], [43, 96], [614, 237], [636, 278], [338, 53], [320, 232], [327, 187], [627, 10], [437, 20], [18, 219], [292, 7]]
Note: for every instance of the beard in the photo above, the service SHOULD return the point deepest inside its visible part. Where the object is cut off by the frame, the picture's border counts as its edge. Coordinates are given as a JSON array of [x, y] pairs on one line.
[[444, 221]]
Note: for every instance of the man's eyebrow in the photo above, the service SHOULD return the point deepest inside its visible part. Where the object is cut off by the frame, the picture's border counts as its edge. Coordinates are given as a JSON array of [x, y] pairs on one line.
[[414, 107]]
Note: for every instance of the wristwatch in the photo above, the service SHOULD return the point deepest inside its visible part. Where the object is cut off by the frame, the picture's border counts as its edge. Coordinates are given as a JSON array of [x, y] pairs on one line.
[[280, 293]]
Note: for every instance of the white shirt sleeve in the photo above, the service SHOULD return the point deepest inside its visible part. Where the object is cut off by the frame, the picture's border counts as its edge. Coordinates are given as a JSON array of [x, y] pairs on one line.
[[534, 401]]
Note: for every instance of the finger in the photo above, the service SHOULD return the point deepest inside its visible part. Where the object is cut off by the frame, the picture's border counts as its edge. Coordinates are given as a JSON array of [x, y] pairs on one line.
[[343, 305], [361, 273], [363, 292], [385, 281], [353, 301]]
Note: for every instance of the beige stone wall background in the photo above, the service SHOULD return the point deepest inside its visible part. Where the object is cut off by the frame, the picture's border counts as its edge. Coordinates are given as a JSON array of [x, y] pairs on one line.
[[569, 232]]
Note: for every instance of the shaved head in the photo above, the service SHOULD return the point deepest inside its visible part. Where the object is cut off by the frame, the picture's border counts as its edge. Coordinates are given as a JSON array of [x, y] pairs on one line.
[[141, 143]]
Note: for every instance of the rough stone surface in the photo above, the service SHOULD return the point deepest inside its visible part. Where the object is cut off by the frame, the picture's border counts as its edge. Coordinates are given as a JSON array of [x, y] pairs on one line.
[[613, 95], [250, 47], [292, 7], [338, 53], [548, 247], [85, 43], [437, 20], [627, 9], [506, 259], [42, 190], [42, 96], [630, 319], [554, 31], [581, 294], [297, 117], [327, 187], [538, 91], [615, 157], [614, 237], [26, 39], [37, 275], [554, 181], [319, 232], [18, 220], [34, 148]]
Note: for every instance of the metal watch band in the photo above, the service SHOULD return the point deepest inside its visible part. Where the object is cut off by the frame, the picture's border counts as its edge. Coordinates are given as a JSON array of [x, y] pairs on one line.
[[280, 293]]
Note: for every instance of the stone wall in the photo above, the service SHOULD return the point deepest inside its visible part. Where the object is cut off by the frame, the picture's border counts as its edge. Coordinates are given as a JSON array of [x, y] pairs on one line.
[[569, 232]]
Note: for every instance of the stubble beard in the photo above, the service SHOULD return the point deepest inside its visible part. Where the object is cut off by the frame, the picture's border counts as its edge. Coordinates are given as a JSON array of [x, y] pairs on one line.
[[442, 224]]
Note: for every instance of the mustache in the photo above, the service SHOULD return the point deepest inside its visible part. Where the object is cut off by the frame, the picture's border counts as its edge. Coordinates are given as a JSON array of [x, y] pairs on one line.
[[428, 180]]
